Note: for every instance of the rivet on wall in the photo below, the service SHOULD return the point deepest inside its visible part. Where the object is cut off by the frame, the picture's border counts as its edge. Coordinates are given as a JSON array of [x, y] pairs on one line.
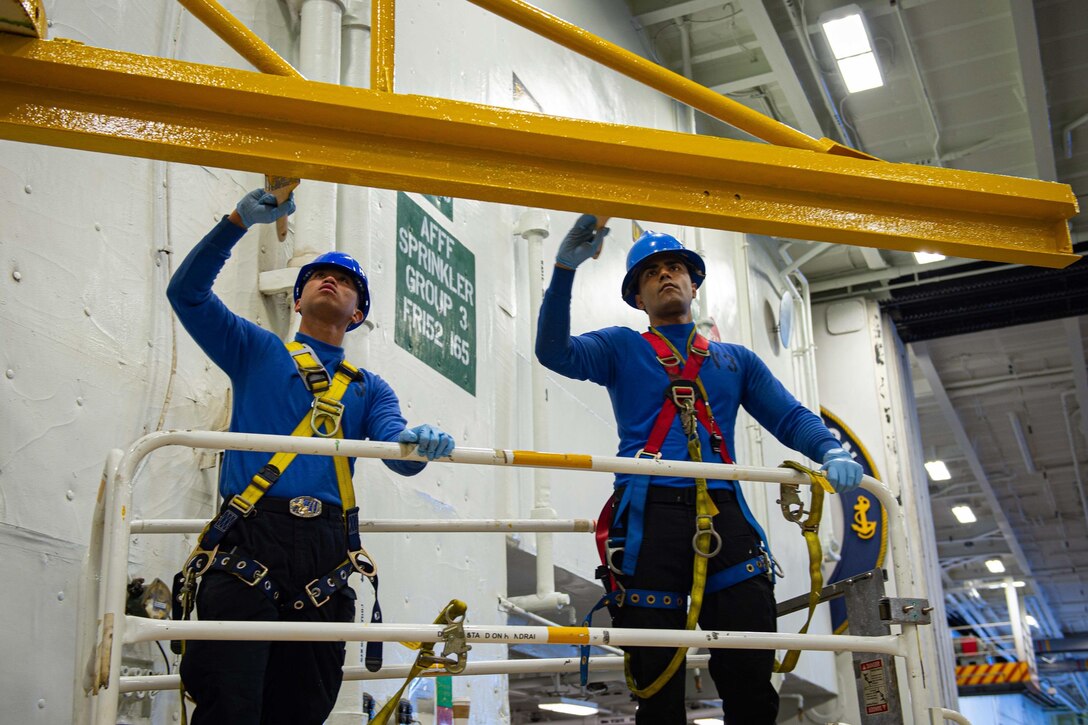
[[60, 596], [27, 189], [16, 275], [10, 373]]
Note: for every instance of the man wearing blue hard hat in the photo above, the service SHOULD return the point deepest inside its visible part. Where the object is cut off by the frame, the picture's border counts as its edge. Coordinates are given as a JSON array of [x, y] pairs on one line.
[[676, 551], [286, 539]]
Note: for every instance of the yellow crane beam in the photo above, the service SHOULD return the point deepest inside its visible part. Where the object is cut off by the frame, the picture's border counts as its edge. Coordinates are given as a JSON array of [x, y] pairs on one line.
[[63, 93]]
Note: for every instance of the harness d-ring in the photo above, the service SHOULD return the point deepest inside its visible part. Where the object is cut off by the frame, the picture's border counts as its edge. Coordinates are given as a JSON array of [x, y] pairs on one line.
[[715, 537]]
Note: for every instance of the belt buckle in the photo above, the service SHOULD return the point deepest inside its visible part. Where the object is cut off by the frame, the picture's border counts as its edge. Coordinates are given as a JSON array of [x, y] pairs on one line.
[[305, 507]]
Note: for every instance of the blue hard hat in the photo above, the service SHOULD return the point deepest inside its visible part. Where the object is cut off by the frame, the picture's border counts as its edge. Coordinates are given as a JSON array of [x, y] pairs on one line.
[[651, 244], [345, 262]]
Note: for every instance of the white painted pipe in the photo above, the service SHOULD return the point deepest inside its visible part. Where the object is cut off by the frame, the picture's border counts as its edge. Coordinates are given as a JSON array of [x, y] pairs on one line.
[[388, 526], [142, 629], [505, 605], [534, 227], [318, 60], [952, 715], [544, 665]]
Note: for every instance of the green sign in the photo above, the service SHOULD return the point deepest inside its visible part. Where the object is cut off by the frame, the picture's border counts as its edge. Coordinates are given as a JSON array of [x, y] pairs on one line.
[[444, 204], [436, 295], [443, 691]]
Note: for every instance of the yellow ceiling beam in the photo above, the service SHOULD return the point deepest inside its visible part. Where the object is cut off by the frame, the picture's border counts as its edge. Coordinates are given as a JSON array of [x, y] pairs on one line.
[[23, 17], [67, 94]]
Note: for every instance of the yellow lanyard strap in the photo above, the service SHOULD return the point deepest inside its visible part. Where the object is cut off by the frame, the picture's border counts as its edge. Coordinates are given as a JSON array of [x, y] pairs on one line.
[[810, 529], [452, 615], [705, 511]]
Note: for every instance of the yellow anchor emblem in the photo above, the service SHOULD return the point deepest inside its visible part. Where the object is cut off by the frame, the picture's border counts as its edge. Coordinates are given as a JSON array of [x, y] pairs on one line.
[[862, 525]]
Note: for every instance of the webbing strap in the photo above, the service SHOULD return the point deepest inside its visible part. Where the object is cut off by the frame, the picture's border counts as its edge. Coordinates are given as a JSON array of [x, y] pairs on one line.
[[810, 529], [451, 615], [705, 511], [634, 494], [646, 598]]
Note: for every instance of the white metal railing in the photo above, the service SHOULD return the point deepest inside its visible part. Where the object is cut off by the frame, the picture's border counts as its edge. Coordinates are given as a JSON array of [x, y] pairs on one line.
[[110, 554]]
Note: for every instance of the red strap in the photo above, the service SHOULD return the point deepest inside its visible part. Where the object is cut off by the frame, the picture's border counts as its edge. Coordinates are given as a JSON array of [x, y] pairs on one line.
[[604, 523], [700, 350]]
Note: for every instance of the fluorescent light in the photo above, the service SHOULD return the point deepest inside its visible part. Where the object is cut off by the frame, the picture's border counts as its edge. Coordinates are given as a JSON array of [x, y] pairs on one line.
[[848, 39], [996, 566], [568, 706], [847, 36], [964, 514], [937, 471], [860, 72], [708, 721], [927, 257], [1032, 621]]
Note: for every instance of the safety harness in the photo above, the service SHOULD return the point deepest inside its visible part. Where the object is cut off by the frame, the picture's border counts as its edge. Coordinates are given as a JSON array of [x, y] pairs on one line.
[[685, 396], [323, 419]]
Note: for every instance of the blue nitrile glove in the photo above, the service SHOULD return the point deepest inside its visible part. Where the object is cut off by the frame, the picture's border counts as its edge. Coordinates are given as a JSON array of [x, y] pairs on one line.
[[843, 472], [582, 242], [433, 443], [259, 207]]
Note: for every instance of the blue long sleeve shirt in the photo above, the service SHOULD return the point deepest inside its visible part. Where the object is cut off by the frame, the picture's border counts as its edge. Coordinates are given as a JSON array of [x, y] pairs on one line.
[[622, 361], [269, 396]]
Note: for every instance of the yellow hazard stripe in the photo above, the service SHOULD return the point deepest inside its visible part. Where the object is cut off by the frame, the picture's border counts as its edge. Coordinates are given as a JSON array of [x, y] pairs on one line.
[[568, 635], [555, 460], [996, 674]]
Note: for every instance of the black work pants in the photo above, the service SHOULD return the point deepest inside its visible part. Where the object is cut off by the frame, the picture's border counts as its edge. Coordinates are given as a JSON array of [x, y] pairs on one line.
[[270, 683], [665, 564]]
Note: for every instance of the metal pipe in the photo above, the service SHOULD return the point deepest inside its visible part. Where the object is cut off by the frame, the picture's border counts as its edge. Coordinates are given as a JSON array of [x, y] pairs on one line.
[[1073, 453], [534, 227], [389, 526], [1067, 134], [142, 629], [922, 85], [119, 504], [382, 44], [952, 715], [530, 666], [243, 40], [505, 605], [666, 81]]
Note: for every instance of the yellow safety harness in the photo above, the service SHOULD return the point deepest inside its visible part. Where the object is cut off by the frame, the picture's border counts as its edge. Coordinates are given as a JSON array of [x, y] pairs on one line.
[[323, 419]]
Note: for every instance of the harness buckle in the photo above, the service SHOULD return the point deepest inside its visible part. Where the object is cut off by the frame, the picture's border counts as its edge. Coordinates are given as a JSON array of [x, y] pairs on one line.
[[258, 577], [326, 410], [642, 453], [669, 361], [316, 594]]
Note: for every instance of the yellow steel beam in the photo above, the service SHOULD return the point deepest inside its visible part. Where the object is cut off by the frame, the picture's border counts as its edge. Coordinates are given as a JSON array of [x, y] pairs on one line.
[[67, 94], [382, 44], [662, 79], [23, 17], [244, 41]]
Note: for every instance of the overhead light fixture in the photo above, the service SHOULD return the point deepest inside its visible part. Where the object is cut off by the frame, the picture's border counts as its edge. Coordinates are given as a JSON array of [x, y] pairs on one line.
[[848, 38], [927, 257], [937, 471], [964, 514], [1031, 621], [568, 706], [708, 721], [995, 566]]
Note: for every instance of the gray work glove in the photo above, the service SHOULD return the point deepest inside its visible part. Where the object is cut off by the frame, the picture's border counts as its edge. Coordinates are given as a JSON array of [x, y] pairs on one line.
[[260, 207], [583, 241]]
